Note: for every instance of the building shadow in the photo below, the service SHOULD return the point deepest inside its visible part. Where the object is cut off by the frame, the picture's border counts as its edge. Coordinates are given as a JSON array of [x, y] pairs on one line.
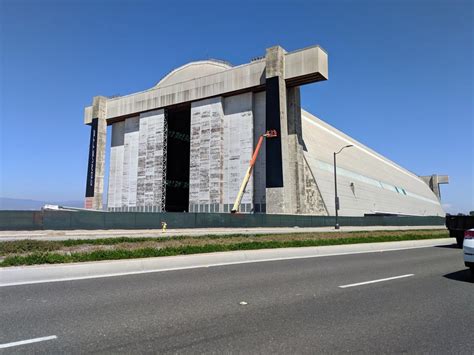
[[461, 275]]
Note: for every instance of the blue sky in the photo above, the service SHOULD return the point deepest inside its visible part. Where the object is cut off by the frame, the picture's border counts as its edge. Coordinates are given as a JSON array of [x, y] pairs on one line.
[[401, 76]]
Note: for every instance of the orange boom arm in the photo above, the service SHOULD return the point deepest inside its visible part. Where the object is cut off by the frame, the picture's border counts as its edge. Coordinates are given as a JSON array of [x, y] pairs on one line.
[[268, 134]]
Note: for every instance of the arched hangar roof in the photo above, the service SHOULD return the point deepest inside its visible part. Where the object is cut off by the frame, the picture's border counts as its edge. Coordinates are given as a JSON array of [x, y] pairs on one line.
[[193, 70]]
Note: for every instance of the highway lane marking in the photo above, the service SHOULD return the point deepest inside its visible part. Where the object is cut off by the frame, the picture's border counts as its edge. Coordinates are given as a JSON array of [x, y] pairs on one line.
[[209, 265], [28, 341], [375, 281]]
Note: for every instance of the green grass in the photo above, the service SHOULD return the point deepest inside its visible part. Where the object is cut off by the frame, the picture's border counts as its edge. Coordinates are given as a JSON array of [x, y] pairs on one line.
[[25, 246], [43, 255]]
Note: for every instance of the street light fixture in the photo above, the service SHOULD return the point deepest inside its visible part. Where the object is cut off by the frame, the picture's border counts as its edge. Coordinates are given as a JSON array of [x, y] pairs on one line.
[[336, 226]]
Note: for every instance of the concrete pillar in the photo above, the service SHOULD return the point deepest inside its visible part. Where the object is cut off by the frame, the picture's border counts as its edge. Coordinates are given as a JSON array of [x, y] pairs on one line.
[[259, 171], [96, 164], [295, 151], [433, 181], [280, 188]]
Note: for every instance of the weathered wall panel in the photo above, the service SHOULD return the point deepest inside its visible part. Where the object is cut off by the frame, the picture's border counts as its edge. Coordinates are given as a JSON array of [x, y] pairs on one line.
[[114, 196], [221, 148], [238, 147], [216, 158], [150, 161], [130, 163], [206, 158]]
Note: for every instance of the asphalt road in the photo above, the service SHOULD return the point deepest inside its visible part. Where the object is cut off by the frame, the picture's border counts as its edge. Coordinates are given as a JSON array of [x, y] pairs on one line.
[[293, 306]]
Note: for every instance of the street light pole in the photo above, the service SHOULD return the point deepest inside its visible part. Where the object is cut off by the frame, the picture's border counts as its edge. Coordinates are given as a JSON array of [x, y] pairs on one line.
[[336, 200]]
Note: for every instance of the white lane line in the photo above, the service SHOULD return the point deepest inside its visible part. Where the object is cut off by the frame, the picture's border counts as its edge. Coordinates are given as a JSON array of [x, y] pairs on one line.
[[28, 341], [374, 281], [205, 265]]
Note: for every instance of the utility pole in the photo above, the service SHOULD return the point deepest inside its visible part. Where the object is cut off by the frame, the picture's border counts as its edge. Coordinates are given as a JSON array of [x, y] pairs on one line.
[[336, 200]]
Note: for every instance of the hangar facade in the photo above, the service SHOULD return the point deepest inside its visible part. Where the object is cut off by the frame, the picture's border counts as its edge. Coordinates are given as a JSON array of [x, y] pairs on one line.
[[186, 143]]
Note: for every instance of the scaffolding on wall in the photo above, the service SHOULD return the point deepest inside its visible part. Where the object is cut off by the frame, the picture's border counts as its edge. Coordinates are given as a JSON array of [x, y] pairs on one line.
[[165, 159]]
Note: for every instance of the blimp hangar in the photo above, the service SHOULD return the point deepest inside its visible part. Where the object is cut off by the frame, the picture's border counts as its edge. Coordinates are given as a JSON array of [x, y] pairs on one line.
[[185, 146]]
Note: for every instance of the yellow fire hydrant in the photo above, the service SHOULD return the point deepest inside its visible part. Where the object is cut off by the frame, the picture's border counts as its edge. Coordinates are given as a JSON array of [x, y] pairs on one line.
[[163, 227]]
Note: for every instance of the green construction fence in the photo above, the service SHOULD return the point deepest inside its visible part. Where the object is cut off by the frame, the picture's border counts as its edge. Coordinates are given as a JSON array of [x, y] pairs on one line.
[[63, 220]]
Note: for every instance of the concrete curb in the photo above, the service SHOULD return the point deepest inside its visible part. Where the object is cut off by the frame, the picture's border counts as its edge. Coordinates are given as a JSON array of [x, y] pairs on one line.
[[22, 275]]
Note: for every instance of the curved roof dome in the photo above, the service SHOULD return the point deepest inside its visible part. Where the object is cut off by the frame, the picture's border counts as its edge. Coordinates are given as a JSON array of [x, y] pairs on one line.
[[193, 70]]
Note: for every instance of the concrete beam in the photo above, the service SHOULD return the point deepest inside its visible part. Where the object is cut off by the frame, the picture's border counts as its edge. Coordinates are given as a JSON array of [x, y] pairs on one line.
[[433, 181], [301, 67]]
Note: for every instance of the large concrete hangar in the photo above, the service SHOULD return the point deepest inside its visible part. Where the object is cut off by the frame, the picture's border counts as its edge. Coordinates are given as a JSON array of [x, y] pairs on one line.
[[186, 143]]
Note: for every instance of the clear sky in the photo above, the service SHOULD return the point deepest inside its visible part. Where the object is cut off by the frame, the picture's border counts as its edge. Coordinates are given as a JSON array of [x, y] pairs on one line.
[[400, 76]]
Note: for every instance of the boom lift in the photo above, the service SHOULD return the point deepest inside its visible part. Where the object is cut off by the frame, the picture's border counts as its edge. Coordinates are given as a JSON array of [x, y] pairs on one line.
[[268, 134]]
